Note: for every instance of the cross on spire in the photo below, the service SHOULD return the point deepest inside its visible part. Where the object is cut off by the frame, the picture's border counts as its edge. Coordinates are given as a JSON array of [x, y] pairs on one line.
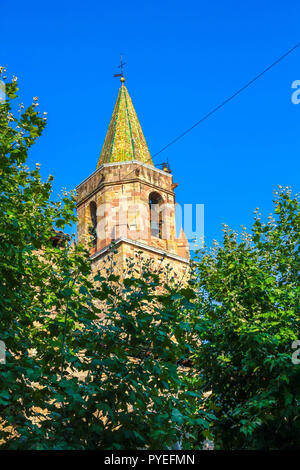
[[122, 71], [122, 65]]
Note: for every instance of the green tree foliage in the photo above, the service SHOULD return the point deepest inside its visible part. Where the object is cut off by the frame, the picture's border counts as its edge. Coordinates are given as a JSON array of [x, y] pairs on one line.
[[98, 362], [90, 363], [249, 317]]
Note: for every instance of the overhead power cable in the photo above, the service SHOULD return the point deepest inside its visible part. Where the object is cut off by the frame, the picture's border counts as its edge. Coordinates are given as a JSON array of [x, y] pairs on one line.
[[227, 100], [240, 90]]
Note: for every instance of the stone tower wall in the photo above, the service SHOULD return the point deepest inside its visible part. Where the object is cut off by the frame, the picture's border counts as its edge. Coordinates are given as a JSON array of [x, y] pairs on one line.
[[121, 193]]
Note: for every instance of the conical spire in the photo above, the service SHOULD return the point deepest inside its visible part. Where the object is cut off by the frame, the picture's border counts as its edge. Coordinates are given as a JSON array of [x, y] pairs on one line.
[[124, 140]]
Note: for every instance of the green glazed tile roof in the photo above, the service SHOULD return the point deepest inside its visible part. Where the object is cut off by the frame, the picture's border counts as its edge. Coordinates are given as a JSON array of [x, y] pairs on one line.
[[124, 140]]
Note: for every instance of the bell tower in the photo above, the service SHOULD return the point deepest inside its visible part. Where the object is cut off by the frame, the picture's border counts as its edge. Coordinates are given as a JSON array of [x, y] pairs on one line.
[[127, 203]]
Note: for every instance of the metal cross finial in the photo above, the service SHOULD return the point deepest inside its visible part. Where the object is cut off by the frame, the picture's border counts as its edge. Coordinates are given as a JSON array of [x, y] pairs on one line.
[[121, 67]]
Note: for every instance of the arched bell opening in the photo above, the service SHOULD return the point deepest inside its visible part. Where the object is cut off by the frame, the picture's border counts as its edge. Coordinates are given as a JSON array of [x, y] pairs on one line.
[[156, 216], [93, 222]]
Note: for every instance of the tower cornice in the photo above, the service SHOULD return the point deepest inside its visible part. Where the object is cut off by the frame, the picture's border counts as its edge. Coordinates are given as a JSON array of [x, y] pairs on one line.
[[139, 245], [131, 162], [117, 183]]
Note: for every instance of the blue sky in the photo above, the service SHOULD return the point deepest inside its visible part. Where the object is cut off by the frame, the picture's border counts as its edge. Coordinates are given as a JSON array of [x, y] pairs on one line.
[[183, 58]]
